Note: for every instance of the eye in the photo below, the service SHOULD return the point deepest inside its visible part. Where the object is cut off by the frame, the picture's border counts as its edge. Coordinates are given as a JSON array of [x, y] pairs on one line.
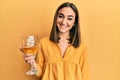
[[60, 16], [70, 19]]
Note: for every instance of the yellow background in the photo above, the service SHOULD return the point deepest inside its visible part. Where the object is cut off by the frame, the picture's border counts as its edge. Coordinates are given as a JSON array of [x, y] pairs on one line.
[[100, 27]]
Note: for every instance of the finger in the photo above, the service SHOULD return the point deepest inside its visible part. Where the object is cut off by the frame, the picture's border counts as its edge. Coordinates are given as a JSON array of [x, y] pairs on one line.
[[30, 60], [28, 56], [21, 49]]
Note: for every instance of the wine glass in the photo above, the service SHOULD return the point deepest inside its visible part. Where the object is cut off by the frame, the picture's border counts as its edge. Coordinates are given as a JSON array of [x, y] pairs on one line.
[[30, 46]]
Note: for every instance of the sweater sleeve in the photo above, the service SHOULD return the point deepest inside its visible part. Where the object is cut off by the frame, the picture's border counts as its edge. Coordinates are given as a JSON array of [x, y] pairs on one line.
[[84, 64], [40, 61]]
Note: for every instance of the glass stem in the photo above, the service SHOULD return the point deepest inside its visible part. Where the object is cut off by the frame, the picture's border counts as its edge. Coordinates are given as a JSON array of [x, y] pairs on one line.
[[32, 65]]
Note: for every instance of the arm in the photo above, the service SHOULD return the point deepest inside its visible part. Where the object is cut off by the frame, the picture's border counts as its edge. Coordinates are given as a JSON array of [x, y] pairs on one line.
[[39, 62], [84, 65]]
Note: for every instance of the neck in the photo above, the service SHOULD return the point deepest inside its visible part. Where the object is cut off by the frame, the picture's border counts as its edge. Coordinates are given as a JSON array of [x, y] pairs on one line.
[[64, 35]]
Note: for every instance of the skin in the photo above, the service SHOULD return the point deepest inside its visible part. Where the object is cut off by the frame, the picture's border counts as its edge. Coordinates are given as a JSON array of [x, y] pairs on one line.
[[65, 20]]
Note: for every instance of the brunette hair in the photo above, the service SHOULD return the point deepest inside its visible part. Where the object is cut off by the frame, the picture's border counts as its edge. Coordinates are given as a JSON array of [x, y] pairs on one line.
[[75, 37]]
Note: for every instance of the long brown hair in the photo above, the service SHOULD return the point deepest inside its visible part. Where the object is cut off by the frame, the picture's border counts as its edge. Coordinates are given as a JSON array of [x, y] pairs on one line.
[[75, 37]]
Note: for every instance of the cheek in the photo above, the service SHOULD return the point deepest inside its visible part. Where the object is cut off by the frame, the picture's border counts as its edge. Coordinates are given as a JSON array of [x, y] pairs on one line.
[[71, 23], [58, 20]]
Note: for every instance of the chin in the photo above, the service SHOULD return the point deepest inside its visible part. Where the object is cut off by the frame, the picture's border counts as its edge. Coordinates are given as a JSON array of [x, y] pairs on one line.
[[63, 31]]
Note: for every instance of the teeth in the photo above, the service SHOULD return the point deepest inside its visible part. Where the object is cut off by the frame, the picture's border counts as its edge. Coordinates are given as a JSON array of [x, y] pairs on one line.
[[63, 27]]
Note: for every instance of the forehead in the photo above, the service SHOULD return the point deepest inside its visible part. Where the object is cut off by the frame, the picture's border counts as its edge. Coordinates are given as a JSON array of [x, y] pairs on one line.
[[67, 11]]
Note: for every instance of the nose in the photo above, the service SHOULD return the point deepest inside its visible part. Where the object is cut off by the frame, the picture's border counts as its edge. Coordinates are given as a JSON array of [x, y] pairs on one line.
[[64, 21]]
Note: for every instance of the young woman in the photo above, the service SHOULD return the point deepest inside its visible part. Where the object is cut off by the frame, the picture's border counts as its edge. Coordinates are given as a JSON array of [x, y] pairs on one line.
[[62, 55]]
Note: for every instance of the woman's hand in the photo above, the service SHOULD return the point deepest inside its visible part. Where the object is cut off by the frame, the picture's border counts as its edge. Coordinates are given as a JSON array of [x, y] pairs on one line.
[[27, 57]]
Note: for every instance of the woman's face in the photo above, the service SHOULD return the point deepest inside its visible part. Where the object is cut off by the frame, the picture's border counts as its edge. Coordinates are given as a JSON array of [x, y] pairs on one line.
[[65, 19]]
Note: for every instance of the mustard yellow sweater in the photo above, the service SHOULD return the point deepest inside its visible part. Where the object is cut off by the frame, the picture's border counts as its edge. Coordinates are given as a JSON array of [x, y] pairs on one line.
[[73, 66]]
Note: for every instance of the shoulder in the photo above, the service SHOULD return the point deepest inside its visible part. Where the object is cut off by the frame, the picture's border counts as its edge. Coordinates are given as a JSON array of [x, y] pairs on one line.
[[44, 39], [83, 46], [45, 42]]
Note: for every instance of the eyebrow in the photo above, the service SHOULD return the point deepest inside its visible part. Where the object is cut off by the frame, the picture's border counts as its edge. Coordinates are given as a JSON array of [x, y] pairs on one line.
[[63, 15]]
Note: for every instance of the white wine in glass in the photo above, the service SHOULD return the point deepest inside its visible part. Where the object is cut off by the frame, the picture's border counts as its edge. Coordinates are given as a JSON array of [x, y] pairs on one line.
[[30, 46]]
